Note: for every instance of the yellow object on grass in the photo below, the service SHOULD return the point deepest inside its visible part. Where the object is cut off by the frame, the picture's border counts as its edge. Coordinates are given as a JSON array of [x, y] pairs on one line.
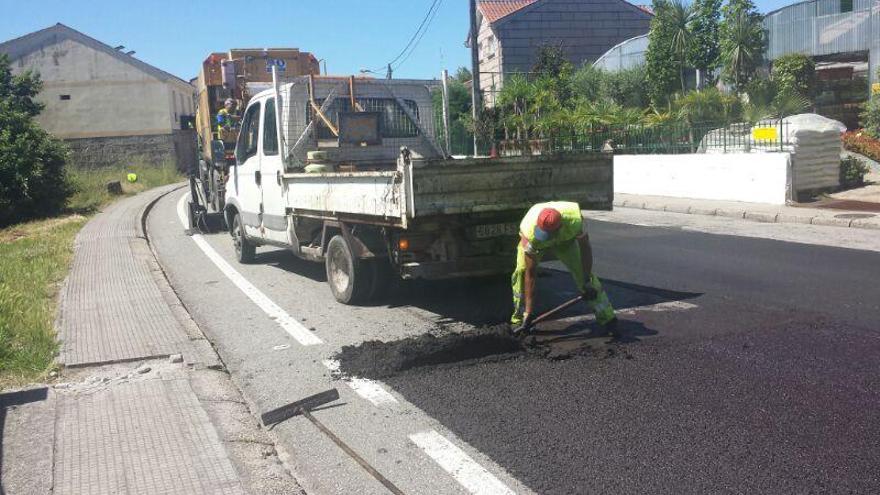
[[132, 177]]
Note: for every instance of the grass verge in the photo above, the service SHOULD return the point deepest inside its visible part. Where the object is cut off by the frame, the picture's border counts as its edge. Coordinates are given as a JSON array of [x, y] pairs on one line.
[[34, 259], [91, 184]]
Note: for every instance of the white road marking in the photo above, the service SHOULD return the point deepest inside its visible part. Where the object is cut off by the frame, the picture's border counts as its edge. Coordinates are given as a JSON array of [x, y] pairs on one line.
[[473, 477], [368, 389], [649, 308], [287, 322]]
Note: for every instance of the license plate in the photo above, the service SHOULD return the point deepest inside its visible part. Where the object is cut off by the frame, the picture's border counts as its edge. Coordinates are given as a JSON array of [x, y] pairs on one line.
[[495, 230]]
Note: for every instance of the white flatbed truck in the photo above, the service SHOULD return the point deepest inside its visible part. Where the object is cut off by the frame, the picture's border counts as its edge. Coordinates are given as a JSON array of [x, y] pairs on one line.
[[380, 198]]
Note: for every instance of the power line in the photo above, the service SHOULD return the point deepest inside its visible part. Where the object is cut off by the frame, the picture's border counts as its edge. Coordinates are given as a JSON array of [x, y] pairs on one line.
[[416, 44], [428, 15]]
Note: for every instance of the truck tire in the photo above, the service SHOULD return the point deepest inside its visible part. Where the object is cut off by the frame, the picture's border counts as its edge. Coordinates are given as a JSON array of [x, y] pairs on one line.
[[351, 280], [245, 251]]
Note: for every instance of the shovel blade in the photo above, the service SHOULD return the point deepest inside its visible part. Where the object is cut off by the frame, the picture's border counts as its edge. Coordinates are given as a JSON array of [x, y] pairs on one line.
[[290, 410]]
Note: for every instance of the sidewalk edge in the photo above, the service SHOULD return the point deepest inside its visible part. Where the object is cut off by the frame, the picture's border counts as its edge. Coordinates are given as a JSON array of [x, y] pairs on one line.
[[757, 216]]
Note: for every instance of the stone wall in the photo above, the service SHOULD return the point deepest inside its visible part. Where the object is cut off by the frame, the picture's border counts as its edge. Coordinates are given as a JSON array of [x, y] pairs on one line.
[[178, 148]]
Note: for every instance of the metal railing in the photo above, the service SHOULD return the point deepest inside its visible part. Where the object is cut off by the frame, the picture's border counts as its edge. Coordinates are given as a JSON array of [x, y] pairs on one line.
[[675, 138]]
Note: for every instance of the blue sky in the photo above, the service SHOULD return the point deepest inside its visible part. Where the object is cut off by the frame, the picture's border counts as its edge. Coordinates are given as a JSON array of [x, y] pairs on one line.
[[350, 34]]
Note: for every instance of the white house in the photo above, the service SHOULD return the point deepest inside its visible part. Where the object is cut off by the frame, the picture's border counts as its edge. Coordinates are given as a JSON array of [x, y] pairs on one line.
[[109, 106]]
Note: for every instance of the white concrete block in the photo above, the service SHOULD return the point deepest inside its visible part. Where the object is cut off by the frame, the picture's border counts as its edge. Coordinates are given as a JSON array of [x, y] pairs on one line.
[[749, 177]]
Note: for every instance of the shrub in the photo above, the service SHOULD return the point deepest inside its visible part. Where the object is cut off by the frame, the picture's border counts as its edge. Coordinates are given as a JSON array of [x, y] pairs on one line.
[[628, 87], [852, 172], [862, 143], [33, 182], [871, 116], [794, 73]]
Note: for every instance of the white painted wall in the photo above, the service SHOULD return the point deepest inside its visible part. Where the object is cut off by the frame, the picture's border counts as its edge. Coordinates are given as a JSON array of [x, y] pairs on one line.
[[750, 177], [108, 97]]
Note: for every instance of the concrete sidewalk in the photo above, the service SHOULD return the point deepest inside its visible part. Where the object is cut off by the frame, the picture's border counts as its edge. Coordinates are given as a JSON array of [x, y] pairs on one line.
[[141, 407], [758, 212]]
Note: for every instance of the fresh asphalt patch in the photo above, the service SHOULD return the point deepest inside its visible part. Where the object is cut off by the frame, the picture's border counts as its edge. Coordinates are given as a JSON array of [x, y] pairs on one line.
[[561, 339], [375, 359]]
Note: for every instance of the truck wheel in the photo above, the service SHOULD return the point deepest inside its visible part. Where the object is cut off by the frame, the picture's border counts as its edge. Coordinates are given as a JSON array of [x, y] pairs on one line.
[[245, 251], [350, 279]]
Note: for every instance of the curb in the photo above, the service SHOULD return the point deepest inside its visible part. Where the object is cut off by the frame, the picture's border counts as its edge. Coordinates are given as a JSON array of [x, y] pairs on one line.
[[763, 217]]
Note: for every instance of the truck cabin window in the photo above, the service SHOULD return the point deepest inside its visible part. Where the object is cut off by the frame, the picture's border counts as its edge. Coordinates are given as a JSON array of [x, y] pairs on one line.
[[249, 135], [270, 129], [394, 122]]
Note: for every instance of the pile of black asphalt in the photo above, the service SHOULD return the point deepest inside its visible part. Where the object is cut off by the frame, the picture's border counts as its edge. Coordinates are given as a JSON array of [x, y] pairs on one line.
[[376, 359]]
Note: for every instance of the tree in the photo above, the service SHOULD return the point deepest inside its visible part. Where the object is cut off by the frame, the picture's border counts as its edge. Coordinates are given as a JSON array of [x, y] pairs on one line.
[[627, 88], [33, 182], [587, 82], [663, 73], [871, 115], [679, 16], [795, 73], [766, 100], [551, 61], [463, 75], [705, 49], [554, 70], [742, 42], [706, 106]]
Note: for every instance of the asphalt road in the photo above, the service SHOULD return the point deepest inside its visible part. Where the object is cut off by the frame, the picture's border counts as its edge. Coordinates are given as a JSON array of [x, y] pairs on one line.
[[748, 366]]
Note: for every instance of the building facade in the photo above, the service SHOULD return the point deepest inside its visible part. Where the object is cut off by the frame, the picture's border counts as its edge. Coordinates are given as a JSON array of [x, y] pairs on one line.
[[843, 38], [511, 32], [110, 107]]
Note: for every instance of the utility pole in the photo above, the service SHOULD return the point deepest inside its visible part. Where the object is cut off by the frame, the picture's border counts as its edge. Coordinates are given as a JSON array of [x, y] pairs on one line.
[[388, 74], [475, 71], [444, 78]]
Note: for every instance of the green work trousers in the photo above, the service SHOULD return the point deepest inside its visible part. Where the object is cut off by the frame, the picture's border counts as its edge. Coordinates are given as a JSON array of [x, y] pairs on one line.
[[569, 253]]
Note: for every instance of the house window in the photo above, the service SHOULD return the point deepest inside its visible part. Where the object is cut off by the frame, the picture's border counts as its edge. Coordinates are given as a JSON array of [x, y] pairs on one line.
[[846, 6], [492, 47], [64, 97]]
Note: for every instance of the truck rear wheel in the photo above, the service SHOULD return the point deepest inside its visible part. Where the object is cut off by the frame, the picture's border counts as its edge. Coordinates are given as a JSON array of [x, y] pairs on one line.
[[245, 251], [351, 280]]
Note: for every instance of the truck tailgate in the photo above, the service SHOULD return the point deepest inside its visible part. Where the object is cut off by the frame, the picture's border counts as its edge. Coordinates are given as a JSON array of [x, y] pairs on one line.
[[482, 185]]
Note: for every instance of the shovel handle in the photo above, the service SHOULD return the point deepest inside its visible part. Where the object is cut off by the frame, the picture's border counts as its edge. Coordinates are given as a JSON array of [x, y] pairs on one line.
[[557, 309]]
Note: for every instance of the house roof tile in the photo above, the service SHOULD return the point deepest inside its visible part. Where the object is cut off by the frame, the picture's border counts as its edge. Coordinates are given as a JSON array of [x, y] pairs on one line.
[[494, 10]]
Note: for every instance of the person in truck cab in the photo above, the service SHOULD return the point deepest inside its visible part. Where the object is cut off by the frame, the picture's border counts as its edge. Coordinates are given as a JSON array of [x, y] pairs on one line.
[[556, 227], [227, 118]]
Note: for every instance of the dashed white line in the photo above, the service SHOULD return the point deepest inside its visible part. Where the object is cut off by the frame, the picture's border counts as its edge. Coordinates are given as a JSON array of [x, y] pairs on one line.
[[287, 322], [473, 477], [368, 389]]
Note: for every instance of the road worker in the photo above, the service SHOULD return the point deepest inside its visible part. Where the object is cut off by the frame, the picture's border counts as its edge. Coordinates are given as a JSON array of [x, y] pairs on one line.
[[226, 117], [556, 227]]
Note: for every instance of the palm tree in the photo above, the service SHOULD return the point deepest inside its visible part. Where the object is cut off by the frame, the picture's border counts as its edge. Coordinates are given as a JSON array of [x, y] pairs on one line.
[[680, 17], [742, 49]]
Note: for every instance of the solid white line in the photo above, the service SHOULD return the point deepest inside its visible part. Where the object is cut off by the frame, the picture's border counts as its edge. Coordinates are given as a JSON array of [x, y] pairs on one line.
[[473, 477], [368, 389], [287, 322]]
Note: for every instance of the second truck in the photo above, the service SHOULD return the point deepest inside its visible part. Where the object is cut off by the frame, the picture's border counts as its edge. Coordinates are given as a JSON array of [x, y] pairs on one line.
[[235, 75]]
